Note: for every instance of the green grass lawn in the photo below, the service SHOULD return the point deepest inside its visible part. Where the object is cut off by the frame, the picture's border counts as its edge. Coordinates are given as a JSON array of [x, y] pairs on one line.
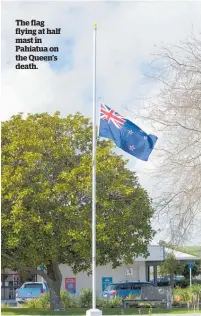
[[82, 311]]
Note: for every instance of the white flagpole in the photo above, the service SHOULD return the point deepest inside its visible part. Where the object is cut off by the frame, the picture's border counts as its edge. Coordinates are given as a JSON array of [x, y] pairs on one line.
[[94, 177], [94, 311]]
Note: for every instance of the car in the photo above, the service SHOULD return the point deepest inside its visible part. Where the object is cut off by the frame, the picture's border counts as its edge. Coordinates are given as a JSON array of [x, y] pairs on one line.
[[30, 290], [124, 289]]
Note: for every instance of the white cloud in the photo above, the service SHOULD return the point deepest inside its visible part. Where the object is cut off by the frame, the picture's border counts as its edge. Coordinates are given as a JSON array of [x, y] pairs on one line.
[[127, 33]]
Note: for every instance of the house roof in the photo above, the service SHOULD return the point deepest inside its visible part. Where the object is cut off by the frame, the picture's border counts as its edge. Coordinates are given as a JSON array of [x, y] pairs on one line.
[[159, 253], [180, 255]]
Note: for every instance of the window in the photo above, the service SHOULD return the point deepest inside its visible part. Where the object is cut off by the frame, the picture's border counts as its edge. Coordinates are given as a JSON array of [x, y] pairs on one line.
[[33, 285], [111, 287], [124, 286], [136, 286], [46, 286], [150, 285]]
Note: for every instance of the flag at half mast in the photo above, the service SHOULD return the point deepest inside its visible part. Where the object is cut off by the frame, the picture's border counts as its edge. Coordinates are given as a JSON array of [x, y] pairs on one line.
[[126, 135]]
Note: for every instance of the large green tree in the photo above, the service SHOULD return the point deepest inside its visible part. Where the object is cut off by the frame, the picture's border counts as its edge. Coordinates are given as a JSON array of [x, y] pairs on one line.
[[196, 269], [46, 199], [170, 267]]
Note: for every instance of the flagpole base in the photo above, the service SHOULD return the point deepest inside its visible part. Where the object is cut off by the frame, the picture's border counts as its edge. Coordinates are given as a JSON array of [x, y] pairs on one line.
[[93, 312]]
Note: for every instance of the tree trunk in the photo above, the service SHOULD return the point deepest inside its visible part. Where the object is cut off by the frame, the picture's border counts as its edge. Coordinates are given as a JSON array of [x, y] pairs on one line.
[[54, 282], [172, 281], [53, 277], [55, 296]]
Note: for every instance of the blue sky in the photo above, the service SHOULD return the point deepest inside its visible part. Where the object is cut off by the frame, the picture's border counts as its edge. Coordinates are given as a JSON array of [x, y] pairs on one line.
[[128, 36]]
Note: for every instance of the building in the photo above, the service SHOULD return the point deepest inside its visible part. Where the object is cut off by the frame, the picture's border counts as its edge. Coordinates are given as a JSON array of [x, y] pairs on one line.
[[143, 269], [140, 270]]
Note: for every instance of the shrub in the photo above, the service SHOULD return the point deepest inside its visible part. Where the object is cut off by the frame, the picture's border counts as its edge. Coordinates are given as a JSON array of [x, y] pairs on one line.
[[176, 294], [185, 283], [35, 303], [105, 303], [184, 295], [85, 298], [115, 302], [68, 300], [133, 296], [196, 289], [182, 283], [189, 295], [43, 301], [196, 282], [102, 302]]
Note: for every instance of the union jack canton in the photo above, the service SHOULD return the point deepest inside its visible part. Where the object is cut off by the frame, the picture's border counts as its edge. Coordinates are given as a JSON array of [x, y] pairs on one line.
[[110, 115]]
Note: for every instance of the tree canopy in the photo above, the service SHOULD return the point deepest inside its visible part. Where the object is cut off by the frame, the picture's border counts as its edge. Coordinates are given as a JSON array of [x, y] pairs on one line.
[[46, 198], [170, 267], [196, 269]]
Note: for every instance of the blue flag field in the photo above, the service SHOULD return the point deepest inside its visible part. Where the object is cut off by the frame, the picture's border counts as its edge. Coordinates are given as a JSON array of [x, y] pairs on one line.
[[126, 135]]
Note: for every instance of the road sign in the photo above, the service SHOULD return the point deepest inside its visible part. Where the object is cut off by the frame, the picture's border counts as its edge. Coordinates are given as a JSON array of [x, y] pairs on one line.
[[190, 265]]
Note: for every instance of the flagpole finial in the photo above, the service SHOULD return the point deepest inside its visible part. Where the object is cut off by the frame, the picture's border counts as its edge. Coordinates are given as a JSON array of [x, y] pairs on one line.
[[95, 26]]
